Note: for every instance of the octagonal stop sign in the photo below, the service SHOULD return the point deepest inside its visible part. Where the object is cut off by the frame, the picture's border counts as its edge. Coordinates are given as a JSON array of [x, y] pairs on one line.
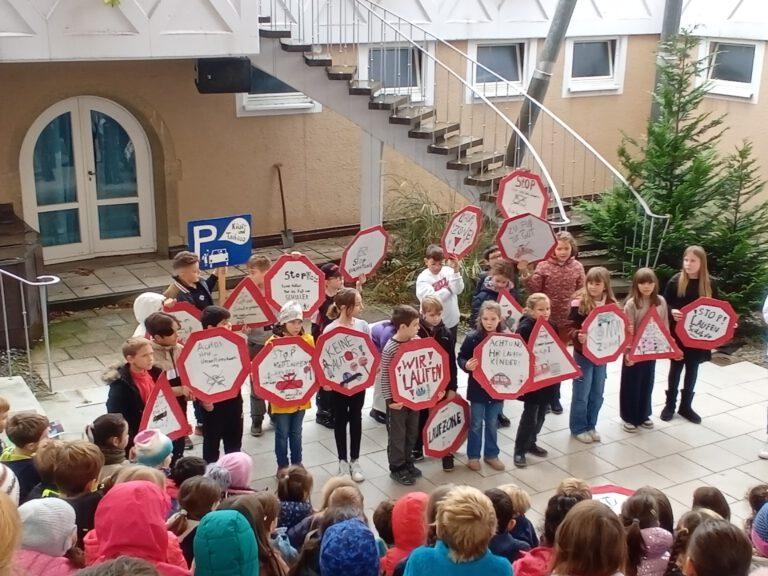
[[526, 237], [522, 192], [365, 253], [706, 323], [282, 372], [505, 365], [214, 364], [606, 329], [462, 232], [419, 372], [446, 428], [294, 277], [346, 360]]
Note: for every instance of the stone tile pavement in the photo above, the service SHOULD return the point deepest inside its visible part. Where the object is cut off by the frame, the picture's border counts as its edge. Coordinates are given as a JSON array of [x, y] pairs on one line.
[[676, 457]]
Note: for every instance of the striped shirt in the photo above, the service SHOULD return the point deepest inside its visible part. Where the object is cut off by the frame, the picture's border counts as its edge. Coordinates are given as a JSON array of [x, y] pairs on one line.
[[390, 349]]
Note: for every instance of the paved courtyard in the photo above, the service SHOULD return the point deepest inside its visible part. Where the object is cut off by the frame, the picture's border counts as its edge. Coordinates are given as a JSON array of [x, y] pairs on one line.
[[676, 457]]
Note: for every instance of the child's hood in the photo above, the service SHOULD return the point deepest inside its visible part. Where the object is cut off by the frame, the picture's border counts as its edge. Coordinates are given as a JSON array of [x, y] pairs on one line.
[[657, 541], [145, 304], [536, 562], [113, 372], [409, 525]]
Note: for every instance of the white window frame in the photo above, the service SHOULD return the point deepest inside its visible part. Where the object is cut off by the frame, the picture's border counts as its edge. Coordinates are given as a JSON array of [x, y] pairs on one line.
[[595, 85], [743, 91], [500, 91], [275, 104], [423, 93]]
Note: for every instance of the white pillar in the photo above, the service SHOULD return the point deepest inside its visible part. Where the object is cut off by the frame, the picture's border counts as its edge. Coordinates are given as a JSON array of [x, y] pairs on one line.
[[371, 191]]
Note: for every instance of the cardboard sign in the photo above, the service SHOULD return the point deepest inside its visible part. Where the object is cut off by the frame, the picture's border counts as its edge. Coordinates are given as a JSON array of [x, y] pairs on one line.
[[221, 241], [365, 253], [188, 317], [162, 412], [505, 365], [526, 237], [510, 309], [551, 361], [214, 364], [419, 372], [706, 324], [295, 277], [607, 335], [446, 428], [522, 192], [611, 495], [282, 372], [462, 232], [652, 340], [248, 306], [346, 360]]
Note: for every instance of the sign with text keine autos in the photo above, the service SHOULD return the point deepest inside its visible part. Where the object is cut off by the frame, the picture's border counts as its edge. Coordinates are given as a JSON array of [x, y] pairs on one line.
[[462, 232], [510, 309], [652, 340], [365, 253], [552, 362], [221, 241], [505, 365], [606, 329], [295, 277], [214, 364], [162, 412], [526, 237], [346, 360], [446, 428], [706, 324], [282, 372], [419, 373], [248, 306], [188, 317]]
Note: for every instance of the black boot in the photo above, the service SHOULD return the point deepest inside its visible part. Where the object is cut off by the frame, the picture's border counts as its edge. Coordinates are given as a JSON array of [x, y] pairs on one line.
[[669, 408], [686, 410]]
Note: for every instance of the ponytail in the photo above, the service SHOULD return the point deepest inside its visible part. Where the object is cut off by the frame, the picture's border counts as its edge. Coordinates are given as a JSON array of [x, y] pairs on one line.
[[639, 511], [636, 547], [179, 523], [344, 298]]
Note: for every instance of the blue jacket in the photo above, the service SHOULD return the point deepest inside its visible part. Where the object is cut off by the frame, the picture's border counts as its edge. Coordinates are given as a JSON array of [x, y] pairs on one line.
[[475, 392], [225, 545], [506, 546], [291, 513], [426, 561], [525, 531]]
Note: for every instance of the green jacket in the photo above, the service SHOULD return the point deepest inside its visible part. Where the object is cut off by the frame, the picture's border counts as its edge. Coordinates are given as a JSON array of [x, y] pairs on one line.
[[225, 546]]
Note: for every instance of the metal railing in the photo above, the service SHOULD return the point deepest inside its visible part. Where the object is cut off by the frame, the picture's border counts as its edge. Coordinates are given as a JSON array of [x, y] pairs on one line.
[[42, 283]]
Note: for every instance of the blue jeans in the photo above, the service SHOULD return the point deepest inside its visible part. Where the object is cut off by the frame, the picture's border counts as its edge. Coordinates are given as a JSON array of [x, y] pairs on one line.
[[587, 395], [483, 414], [288, 430]]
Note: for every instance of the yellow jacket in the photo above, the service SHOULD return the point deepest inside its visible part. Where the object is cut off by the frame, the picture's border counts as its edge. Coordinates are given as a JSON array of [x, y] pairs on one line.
[[291, 409]]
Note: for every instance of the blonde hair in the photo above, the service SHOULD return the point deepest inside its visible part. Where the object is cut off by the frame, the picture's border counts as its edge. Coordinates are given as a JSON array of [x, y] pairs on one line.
[[333, 484], [494, 307], [347, 497], [4, 405], [10, 533], [521, 501], [258, 262], [574, 488], [705, 282], [132, 346], [596, 274], [534, 299], [466, 522], [431, 304], [139, 472]]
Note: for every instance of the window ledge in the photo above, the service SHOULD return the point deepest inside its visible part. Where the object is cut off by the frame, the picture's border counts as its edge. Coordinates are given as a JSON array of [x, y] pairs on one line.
[[274, 104], [735, 90], [592, 87]]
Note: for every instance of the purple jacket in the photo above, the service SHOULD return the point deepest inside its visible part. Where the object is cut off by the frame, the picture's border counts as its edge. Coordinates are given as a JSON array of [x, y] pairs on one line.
[[658, 543], [381, 332]]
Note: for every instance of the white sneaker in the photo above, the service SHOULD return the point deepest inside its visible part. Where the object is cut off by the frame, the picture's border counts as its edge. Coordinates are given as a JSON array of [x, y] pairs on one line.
[[763, 454], [629, 427], [647, 424], [355, 472], [585, 437], [595, 436], [343, 468]]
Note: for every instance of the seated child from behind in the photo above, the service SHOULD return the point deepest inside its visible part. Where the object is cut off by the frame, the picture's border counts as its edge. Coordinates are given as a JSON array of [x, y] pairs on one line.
[[521, 502], [77, 476], [45, 462], [294, 488], [503, 543], [26, 430]]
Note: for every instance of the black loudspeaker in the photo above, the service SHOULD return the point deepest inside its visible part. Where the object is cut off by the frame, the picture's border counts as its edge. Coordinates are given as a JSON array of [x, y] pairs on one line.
[[223, 75]]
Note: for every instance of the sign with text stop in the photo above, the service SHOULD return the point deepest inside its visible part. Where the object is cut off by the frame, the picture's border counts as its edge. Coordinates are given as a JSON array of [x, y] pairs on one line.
[[283, 372], [522, 192], [365, 253], [294, 277], [706, 323]]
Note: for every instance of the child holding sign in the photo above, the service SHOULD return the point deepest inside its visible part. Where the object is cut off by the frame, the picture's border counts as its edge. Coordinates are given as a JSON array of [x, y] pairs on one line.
[[588, 388], [348, 409], [484, 410], [691, 283], [257, 266], [333, 283], [441, 278]]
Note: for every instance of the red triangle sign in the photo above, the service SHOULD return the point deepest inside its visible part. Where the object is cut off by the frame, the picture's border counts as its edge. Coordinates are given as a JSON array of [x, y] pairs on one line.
[[652, 340], [510, 308], [248, 306], [552, 362], [162, 412]]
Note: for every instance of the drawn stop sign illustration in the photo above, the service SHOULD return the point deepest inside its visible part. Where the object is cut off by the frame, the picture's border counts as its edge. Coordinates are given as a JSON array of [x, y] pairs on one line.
[[346, 360], [522, 192], [282, 372], [606, 329], [419, 373], [462, 232], [446, 428], [505, 365], [706, 324], [365, 253], [526, 237]]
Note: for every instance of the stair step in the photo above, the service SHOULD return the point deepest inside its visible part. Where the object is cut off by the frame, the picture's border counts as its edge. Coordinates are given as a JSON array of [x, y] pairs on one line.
[[476, 160], [604, 260], [318, 59], [488, 177], [410, 115], [265, 19], [388, 101], [341, 72], [364, 87], [294, 45], [433, 130], [275, 32], [454, 144]]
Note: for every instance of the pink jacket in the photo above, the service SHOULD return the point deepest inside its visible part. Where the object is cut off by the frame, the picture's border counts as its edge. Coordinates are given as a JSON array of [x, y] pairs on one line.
[[409, 528], [658, 543], [32, 563], [536, 562], [559, 282]]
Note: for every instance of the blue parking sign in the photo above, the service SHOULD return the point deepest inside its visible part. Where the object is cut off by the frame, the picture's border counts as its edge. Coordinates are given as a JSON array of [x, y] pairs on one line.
[[221, 241]]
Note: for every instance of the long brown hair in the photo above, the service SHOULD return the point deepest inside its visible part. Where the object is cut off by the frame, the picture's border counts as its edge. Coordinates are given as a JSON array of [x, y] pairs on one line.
[[250, 507], [637, 513], [586, 302], [197, 496], [645, 276], [344, 298], [705, 282], [10, 529], [685, 526]]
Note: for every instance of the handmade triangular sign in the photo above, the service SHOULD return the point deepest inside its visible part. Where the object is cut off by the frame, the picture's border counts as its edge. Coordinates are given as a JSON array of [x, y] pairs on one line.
[[510, 308], [552, 362], [248, 307], [652, 340], [162, 412]]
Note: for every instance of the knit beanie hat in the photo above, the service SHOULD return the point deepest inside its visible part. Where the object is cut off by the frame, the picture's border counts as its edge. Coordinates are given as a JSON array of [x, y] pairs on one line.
[[9, 484], [291, 310], [152, 447], [240, 466], [220, 475], [48, 526], [760, 531], [349, 548]]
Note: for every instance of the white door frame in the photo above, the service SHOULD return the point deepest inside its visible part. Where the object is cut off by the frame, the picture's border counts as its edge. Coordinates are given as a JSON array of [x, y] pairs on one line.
[[90, 244]]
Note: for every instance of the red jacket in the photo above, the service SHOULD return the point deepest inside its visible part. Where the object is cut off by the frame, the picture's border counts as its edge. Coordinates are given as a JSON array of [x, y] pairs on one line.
[[409, 528], [559, 282], [536, 562]]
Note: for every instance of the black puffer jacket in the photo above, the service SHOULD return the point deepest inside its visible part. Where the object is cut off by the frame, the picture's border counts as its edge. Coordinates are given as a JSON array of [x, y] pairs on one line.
[[124, 396]]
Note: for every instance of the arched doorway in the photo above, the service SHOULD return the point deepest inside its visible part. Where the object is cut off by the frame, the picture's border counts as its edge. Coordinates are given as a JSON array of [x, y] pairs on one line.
[[86, 178]]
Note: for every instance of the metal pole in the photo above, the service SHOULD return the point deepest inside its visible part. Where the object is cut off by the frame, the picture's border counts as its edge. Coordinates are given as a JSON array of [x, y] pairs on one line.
[[6, 327], [26, 326], [670, 26], [46, 339]]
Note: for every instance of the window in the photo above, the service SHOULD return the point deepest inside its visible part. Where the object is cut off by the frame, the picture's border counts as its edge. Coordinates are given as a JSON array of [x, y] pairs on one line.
[[400, 69], [270, 96], [504, 68], [734, 67], [594, 65]]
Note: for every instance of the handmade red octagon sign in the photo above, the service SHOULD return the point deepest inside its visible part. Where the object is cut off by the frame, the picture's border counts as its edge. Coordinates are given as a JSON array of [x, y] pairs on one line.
[[606, 329], [293, 277], [652, 340], [446, 428], [282, 372], [526, 237], [462, 232], [552, 362], [522, 192], [249, 307], [214, 364], [505, 365], [706, 323], [188, 317], [510, 309], [162, 412], [365, 253], [611, 495], [419, 372], [346, 360]]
